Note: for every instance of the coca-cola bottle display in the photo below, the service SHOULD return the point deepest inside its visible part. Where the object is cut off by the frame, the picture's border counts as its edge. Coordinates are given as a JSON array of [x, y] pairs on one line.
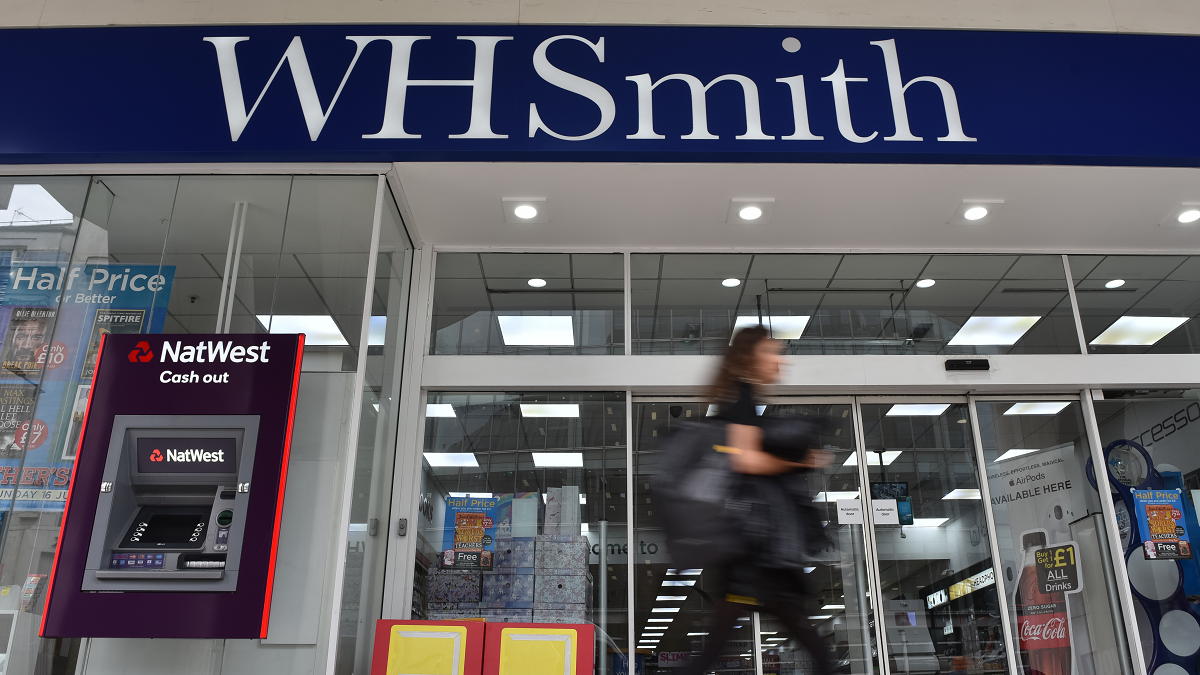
[[1045, 639]]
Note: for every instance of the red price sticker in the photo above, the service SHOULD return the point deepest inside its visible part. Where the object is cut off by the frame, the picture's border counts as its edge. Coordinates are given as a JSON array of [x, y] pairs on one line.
[[57, 355], [36, 437]]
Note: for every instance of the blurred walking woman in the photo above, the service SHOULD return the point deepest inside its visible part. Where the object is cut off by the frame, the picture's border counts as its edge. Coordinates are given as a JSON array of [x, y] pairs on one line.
[[781, 531]]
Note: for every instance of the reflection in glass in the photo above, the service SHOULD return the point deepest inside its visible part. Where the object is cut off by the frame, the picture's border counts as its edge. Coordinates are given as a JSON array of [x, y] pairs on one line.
[[523, 511], [529, 303], [940, 608], [854, 304], [1131, 304], [836, 578], [1045, 510]]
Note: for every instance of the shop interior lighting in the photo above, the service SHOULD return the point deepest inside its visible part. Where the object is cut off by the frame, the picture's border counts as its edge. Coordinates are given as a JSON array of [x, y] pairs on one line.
[[1138, 331], [657, 620], [917, 409], [1037, 408], [768, 632], [731, 283], [583, 528], [679, 582], [582, 499], [685, 573], [525, 210], [963, 493], [809, 570], [377, 330], [539, 331], [439, 410], [928, 522], [833, 496], [537, 283], [1014, 453], [451, 459], [820, 617], [834, 607], [1189, 216], [778, 639], [926, 283], [750, 211], [781, 327], [975, 213], [472, 495], [549, 410], [1115, 283], [889, 456], [559, 460], [695, 634], [375, 406], [664, 610], [670, 598], [33, 205], [993, 330], [319, 329]]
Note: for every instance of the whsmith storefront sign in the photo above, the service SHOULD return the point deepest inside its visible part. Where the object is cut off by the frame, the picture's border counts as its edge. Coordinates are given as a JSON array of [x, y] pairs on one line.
[[396, 93]]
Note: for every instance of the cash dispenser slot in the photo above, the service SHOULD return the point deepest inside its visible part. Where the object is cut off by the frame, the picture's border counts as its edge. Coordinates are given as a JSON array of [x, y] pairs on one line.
[[171, 514]]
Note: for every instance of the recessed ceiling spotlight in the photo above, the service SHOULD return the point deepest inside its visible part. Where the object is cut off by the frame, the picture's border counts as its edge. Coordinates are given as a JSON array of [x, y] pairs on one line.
[[1183, 213], [525, 210], [1115, 283], [744, 211], [537, 283], [926, 283], [731, 283], [975, 213], [1189, 216]]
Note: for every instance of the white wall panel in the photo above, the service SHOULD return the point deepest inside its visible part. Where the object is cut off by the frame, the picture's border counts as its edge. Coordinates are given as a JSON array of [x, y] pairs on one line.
[[815, 374]]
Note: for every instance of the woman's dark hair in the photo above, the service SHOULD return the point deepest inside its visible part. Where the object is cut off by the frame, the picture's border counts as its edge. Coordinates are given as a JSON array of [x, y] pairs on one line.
[[737, 364]]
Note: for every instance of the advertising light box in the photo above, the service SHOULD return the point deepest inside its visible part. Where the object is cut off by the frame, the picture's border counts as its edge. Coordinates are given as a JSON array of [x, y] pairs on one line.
[[174, 505]]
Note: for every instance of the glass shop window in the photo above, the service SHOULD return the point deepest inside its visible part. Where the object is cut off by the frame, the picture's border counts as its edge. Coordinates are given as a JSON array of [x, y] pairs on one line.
[[529, 303], [854, 304], [523, 511], [1131, 304], [1055, 559]]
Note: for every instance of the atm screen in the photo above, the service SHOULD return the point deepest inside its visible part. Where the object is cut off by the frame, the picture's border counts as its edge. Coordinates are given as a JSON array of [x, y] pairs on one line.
[[157, 527], [187, 455]]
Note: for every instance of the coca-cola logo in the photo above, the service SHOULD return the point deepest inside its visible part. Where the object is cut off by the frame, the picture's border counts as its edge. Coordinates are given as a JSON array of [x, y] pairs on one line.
[[1052, 629]]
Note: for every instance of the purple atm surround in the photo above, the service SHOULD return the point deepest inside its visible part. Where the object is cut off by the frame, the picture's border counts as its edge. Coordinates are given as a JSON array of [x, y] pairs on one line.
[[134, 376]]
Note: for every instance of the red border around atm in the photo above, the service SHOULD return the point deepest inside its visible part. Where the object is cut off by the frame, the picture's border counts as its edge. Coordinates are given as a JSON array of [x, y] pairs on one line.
[[283, 470], [62, 526]]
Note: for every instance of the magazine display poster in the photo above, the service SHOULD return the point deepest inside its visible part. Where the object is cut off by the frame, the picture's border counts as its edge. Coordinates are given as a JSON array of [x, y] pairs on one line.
[[472, 524], [1162, 524], [52, 348]]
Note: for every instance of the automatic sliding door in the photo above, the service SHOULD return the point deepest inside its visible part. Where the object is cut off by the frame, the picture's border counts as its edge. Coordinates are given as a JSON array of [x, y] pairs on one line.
[[674, 607], [939, 601]]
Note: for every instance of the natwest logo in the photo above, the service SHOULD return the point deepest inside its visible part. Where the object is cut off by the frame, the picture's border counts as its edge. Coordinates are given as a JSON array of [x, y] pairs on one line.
[[156, 456], [141, 353], [211, 352], [192, 456]]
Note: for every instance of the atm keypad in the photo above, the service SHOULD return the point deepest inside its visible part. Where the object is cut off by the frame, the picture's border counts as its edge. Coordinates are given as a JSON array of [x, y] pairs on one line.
[[125, 561]]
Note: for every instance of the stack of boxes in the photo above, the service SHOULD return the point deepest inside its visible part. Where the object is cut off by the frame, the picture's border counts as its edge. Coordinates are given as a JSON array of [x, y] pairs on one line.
[[540, 579]]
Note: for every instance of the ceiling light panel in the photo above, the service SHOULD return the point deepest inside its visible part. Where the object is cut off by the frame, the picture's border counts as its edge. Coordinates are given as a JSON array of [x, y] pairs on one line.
[[1014, 453], [963, 493], [319, 329], [558, 460], [1138, 331], [834, 495], [439, 410], [549, 410], [928, 522], [537, 331], [516, 207], [460, 459], [917, 409], [873, 459], [1037, 408], [781, 327], [993, 330], [1185, 214], [739, 206]]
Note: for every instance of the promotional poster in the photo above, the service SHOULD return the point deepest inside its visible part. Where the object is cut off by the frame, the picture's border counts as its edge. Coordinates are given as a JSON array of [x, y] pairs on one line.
[[38, 448], [1161, 522], [471, 524]]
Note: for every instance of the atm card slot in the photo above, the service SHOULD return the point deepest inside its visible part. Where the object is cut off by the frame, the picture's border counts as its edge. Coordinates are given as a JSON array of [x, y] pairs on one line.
[[197, 561]]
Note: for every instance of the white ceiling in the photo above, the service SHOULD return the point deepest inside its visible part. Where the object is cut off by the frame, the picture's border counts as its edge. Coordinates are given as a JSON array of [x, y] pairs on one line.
[[843, 207]]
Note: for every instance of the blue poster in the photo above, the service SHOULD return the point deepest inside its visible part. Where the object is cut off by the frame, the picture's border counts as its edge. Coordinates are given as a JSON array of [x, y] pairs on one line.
[[1162, 525], [48, 357]]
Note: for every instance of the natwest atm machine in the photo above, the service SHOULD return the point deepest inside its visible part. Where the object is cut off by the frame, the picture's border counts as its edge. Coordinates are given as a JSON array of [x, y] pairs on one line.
[[172, 505], [175, 501]]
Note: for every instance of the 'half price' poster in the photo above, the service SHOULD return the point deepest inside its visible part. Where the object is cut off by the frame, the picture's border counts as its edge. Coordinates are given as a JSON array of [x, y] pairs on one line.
[[1161, 523]]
